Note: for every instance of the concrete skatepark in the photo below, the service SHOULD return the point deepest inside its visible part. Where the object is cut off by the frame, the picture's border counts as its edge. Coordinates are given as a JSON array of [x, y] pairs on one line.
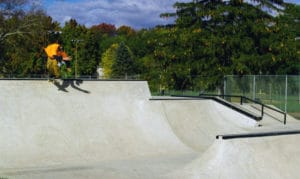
[[116, 129]]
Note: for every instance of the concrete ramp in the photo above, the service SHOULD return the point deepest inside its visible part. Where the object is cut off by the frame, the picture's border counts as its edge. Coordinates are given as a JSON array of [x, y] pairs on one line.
[[110, 129], [49, 125], [263, 157], [196, 122]]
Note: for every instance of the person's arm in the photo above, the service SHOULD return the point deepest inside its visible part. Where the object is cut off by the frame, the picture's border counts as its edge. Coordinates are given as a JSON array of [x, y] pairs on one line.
[[65, 57]]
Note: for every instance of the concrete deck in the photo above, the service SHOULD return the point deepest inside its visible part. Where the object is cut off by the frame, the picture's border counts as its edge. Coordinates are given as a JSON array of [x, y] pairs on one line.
[[110, 129]]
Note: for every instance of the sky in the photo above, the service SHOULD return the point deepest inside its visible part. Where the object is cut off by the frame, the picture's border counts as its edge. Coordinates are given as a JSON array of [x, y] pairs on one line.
[[135, 13]]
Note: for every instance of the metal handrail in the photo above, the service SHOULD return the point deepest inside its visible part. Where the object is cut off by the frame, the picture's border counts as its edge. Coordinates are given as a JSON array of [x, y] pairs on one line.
[[224, 102], [243, 98]]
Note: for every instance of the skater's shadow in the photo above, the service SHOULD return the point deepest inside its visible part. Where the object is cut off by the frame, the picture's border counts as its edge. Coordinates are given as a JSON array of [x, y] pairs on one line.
[[74, 83]]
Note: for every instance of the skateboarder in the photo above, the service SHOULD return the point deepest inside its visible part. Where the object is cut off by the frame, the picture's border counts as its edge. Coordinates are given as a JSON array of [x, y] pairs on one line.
[[56, 57]]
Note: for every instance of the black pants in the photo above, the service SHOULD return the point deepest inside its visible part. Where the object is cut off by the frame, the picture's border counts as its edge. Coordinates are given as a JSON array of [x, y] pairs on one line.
[[58, 58]]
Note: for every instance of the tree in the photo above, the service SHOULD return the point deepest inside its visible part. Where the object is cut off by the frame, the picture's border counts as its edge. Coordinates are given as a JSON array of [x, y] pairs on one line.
[[126, 30], [74, 38], [89, 55], [124, 64], [20, 22], [285, 50], [13, 18], [108, 58], [105, 29], [224, 37]]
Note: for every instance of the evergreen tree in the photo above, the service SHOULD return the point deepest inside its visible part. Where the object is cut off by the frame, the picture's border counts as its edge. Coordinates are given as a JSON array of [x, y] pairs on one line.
[[124, 64]]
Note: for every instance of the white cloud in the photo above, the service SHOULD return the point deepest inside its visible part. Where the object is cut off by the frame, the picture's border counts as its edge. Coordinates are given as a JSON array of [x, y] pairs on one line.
[[135, 13]]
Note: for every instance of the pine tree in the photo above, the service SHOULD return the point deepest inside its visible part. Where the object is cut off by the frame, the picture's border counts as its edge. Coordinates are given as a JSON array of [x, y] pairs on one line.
[[124, 64]]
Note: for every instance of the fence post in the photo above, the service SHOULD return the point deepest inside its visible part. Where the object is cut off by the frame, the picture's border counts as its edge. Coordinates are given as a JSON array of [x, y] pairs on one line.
[[254, 88], [284, 122], [286, 91], [225, 83]]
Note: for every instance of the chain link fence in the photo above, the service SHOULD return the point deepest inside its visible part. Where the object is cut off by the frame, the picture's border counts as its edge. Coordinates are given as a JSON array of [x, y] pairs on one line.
[[279, 91], [282, 92]]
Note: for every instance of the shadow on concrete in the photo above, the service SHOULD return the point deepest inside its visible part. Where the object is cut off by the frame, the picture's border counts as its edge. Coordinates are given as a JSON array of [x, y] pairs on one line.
[[74, 83]]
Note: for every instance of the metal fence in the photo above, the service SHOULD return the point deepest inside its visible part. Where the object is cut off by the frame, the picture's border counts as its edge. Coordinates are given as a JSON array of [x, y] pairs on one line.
[[279, 91], [282, 92]]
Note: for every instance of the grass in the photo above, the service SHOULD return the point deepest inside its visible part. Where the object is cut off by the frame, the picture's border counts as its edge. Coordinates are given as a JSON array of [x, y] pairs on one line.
[[293, 103]]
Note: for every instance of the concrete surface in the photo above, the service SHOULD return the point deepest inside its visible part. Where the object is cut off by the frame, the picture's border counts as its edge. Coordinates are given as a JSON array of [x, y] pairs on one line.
[[110, 129]]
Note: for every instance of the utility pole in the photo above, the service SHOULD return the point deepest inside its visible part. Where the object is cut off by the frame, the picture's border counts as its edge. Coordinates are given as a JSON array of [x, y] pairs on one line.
[[76, 41]]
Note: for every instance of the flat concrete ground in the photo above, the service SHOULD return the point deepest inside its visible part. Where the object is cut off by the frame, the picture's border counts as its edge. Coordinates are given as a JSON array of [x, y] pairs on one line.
[[111, 129]]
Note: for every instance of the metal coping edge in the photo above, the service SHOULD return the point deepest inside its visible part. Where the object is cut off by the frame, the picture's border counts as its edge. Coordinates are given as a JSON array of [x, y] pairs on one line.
[[255, 135], [64, 79]]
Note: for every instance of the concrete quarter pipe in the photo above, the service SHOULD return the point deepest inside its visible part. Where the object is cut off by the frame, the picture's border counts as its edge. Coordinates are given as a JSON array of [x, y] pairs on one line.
[[111, 129]]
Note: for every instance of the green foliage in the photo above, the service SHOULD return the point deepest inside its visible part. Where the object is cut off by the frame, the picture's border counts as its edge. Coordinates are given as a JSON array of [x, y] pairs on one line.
[[123, 64], [108, 59], [20, 23], [89, 55], [126, 30], [218, 38], [210, 39], [73, 38]]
